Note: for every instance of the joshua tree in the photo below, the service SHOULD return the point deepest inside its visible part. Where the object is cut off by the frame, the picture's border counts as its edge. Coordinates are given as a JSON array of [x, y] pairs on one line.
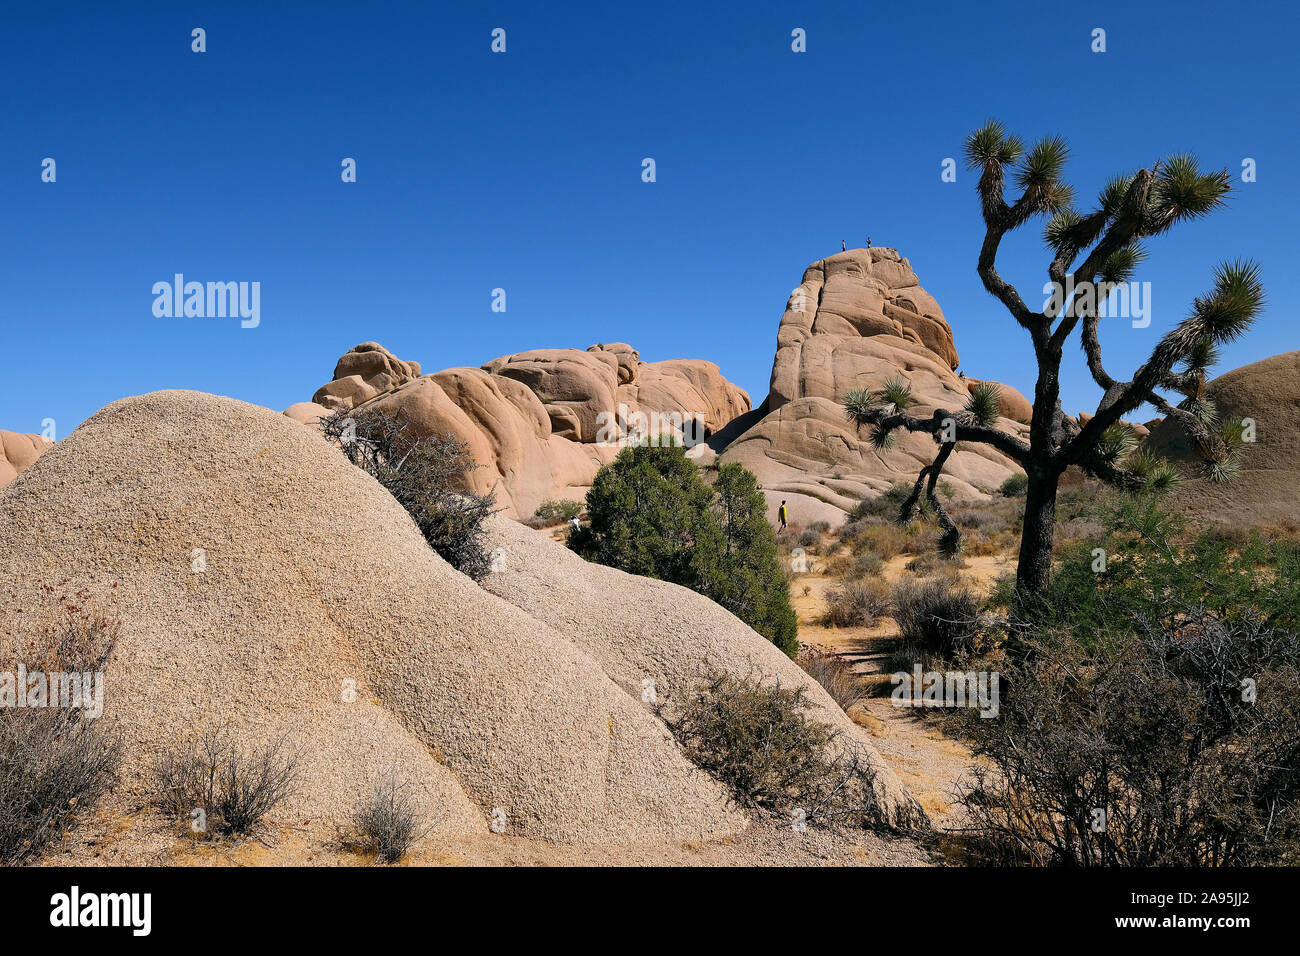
[[1092, 253]]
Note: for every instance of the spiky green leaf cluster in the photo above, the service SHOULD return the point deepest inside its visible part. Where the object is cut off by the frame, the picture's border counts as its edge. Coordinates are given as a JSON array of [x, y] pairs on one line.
[[1203, 356], [1153, 472], [1038, 174], [983, 406], [1116, 443], [1223, 470], [1181, 191], [1223, 464], [1122, 264], [990, 146], [1228, 311], [896, 396], [859, 407], [1111, 197], [1203, 409], [882, 439]]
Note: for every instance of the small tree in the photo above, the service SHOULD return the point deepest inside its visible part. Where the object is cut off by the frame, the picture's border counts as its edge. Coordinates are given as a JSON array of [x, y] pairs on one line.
[[653, 514], [749, 581], [1092, 253]]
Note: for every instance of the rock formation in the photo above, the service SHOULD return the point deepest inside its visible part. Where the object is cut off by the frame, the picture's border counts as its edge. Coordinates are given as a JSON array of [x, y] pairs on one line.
[[858, 319], [17, 452], [1264, 492], [524, 704], [533, 420]]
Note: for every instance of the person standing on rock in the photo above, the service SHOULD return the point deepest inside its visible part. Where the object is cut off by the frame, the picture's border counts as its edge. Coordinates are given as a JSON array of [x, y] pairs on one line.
[[843, 248], [781, 516]]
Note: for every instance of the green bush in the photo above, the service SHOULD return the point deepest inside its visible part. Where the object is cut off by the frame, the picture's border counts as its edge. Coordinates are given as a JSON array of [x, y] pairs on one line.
[[885, 505], [1136, 568], [555, 512], [867, 563], [1015, 486], [651, 513]]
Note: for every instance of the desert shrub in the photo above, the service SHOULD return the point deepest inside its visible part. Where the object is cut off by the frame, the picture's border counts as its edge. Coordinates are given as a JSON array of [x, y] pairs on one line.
[[886, 540], [550, 513], [809, 538], [833, 673], [757, 740], [885, 505], [651, 513], [978, 544], [1158, 690], [234, 788], [938, 615], [386, 822], [55, 761], [930, 562], [1015, 486], [1155, 730], [428, 475], [821, 527], [856, 603], [867, 563], [53, 768], [1102, 586]]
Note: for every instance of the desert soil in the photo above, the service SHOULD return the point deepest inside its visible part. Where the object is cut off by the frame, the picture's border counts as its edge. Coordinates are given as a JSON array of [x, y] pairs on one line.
[[932, 765]]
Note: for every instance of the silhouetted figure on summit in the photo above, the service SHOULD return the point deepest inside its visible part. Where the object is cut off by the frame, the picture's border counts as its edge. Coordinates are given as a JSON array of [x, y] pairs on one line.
[[843, 248]]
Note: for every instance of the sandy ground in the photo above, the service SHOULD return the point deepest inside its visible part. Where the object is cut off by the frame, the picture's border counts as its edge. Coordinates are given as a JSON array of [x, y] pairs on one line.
[[933, 766], [121, 835]]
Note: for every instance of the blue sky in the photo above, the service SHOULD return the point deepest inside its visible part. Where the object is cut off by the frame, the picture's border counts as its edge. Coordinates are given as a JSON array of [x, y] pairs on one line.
[[522, 171]]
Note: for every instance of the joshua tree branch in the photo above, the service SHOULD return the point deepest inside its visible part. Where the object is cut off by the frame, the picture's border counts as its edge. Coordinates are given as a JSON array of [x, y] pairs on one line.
[[925, 483], [1003, 290], [1092, 349], [1121, 398], [1009, 445], [1196, 429]]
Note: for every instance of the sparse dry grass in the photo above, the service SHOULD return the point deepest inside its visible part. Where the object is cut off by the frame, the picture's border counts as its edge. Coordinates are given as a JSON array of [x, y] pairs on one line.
[[856, 603], [833, 673]]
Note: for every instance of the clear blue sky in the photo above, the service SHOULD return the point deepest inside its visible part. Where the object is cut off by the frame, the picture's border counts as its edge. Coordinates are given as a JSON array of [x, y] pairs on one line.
[[523, 171]]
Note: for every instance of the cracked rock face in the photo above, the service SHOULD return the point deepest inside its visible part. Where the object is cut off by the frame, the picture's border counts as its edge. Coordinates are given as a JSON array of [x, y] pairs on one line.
[[856, 320]]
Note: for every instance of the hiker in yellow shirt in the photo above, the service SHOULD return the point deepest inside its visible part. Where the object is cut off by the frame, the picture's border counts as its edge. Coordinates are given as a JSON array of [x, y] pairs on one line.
[[781, 516]]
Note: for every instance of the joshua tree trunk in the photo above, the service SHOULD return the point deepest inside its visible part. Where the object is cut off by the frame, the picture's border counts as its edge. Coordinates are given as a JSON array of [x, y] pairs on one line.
[[1035, 564]]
